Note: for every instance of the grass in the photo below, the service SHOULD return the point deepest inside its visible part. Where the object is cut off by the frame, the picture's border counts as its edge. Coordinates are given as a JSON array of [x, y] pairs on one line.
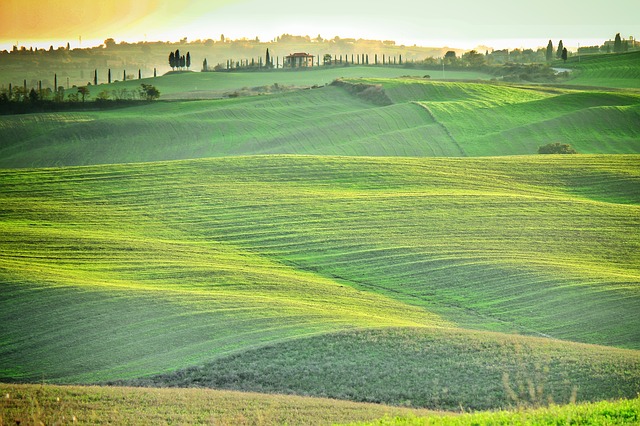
[[32, 404], [441, 369], [214, 84], [619, 70], [180, 263], [488, 119], [428, 119], [623, 412]]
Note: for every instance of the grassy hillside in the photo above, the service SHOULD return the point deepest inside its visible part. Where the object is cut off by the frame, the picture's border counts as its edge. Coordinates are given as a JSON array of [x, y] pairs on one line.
[[177, 263], [31, 404], [423, 367], [487, 119], [619, 70], [216, 84], [322, 121], [443, 119]]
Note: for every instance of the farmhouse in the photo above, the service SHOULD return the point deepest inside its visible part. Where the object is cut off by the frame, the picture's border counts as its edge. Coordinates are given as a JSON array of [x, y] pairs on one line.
[[296, 60]]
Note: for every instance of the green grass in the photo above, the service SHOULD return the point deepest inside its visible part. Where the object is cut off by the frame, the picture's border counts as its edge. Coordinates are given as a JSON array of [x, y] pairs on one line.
[[437, 368], [441, 119], [623, 412], [323, 121], [32, 404], [214, 84], [618, 70], [488, 119], [124, 271]]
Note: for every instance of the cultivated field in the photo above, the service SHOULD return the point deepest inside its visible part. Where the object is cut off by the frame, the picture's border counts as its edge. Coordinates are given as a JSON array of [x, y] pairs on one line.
[[423, 119], [622, 70], [383, 240], [175, 264]]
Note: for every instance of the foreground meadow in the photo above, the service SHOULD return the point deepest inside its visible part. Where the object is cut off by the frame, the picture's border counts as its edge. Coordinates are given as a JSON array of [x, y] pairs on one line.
[[37, 404], [206, 268]]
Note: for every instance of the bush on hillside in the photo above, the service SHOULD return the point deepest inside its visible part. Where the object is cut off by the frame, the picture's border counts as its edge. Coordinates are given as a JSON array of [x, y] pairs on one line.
[[556, 148]]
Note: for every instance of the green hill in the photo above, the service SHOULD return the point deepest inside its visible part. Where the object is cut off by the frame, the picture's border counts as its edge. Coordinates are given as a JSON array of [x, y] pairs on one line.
[[442, 119], [125, 271], [207, 85], [487, 119], [610, 70]]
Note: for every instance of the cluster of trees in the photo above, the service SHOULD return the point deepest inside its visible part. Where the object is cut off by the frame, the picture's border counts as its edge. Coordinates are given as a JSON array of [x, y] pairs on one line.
[[560, 53], [556, 148], [21, 100], [180, 62]]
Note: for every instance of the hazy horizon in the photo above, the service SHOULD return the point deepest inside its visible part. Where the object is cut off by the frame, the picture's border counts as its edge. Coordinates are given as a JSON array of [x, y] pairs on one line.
[[493, 23]]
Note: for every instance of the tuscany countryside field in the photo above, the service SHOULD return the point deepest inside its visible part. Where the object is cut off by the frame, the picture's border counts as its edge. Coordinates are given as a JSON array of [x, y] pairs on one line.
[[385, 249]]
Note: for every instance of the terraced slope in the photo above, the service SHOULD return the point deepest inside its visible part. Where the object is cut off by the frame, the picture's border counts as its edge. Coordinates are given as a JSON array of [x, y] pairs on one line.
[[113, 272]]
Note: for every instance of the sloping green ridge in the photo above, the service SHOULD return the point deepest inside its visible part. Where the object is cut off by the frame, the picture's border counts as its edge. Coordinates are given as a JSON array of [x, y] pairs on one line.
[[121, 271], [443, 119], [436, 368], [485, 119], [321, 121], [617, 70]]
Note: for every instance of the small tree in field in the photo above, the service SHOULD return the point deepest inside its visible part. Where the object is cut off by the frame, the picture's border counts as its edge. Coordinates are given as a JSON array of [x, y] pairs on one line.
[[83, 91], [149, 92], [564, 54], [556, 148]]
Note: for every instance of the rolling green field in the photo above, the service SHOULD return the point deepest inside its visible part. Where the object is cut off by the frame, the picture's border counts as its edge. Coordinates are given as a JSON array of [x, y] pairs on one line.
[[619, 70], [175, 264], [380, 240], [427, 119], [198, 85]]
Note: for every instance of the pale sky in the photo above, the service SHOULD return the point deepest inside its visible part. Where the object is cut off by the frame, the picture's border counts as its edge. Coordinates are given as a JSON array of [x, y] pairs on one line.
[[460, 23]]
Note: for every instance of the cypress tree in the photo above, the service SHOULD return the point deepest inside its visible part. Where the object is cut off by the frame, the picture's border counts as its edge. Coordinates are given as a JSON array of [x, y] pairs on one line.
[[183, 62], [124, 75], [188, 60], [176, 56], [268, 59], [95, 77], [549, 51], [55, 83], [560, 50], [617, 44], [376, 59], [564, 54], [172, 60], [400, 59], [139, 74], [205, 66], [109, 76], [154, 73]]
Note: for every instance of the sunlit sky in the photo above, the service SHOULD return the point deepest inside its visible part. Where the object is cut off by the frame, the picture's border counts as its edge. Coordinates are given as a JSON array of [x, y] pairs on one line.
[[454, 23]]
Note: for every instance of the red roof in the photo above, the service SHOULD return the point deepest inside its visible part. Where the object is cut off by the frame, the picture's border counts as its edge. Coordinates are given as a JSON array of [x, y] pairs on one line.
[[300, 54]]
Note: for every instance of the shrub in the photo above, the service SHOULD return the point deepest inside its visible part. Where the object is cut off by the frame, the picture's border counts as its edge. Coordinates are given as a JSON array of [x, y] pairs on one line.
[[557, 148]]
